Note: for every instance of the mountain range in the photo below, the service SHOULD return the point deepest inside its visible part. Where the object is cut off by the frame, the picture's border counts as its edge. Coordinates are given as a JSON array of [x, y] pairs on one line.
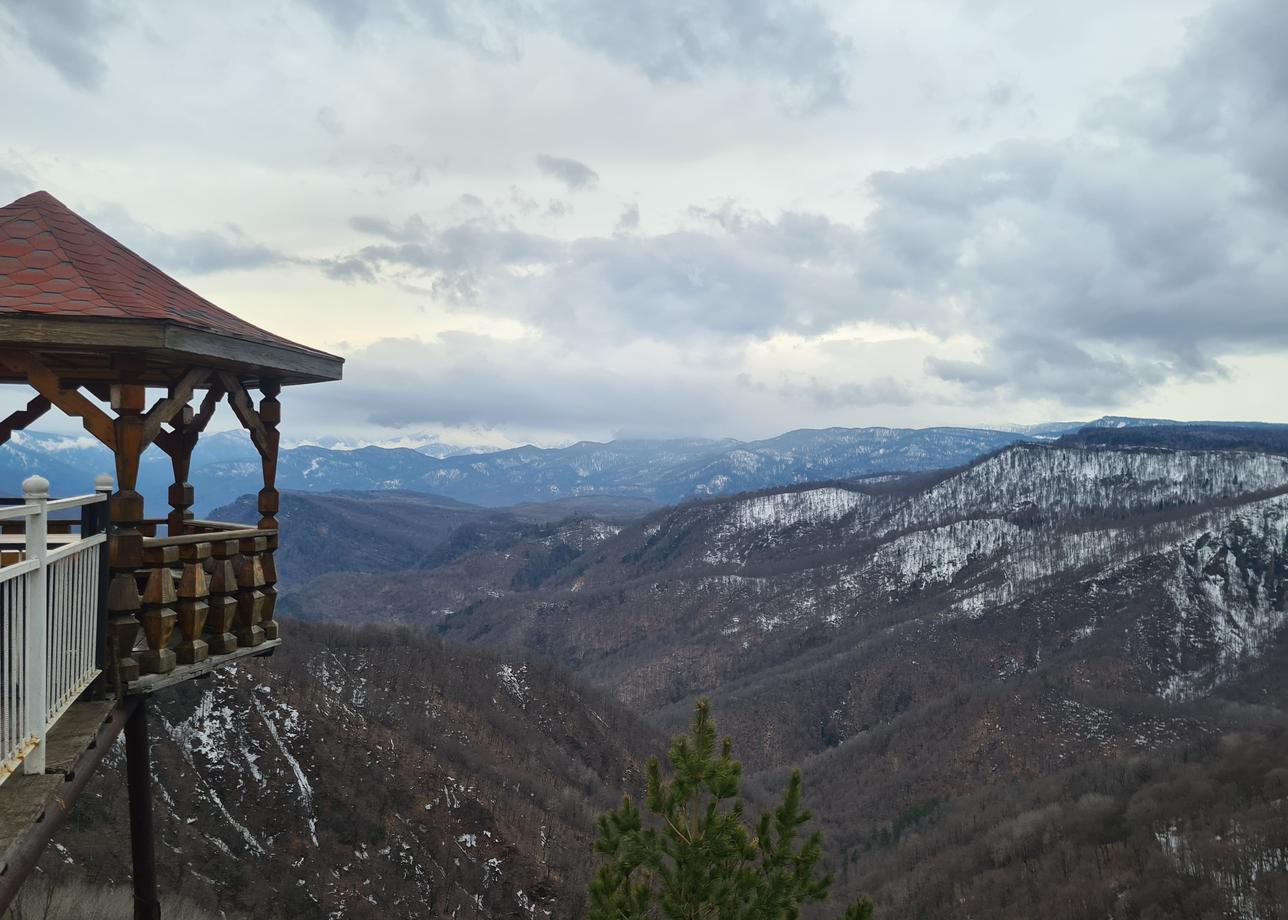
[[1048, 681], [226, 467], [920, 643]]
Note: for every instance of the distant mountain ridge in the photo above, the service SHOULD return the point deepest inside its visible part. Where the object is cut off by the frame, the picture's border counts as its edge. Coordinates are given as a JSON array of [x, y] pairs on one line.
[[226, 467]]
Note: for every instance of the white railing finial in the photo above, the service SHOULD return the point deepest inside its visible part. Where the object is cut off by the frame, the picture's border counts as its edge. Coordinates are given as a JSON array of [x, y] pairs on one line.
[[103, 483], [35, 487]]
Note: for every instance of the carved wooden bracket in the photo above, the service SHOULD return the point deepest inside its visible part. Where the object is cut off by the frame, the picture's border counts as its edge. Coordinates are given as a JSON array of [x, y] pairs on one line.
[[167, 408], [175, 441], [21, 418], [244, 409], [46, 383]]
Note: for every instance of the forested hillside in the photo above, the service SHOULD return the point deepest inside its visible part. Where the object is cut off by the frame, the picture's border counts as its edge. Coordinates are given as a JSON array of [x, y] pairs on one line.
[[916, 641], [371, 773], [1047, 683]]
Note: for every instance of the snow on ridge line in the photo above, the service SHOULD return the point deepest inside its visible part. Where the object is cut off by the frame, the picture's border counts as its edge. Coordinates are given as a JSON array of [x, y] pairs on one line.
[[1043, 472], [1077, 481], [784, 509]]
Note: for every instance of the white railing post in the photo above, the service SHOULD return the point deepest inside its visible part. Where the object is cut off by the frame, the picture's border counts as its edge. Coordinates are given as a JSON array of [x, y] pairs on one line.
[[35, 491]]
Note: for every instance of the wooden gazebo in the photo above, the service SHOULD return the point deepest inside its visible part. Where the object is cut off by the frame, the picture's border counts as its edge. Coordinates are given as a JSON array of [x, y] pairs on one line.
[[91, 327]]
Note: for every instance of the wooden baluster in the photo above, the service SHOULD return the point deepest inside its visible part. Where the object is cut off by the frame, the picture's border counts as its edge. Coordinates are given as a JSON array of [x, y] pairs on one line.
[[270, 413], [159, 617], [193, 608], [250, 597], [222, 610], [123, 605]]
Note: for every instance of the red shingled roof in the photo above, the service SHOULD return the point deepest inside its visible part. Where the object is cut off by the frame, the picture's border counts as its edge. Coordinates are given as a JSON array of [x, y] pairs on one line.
[[53, 262]]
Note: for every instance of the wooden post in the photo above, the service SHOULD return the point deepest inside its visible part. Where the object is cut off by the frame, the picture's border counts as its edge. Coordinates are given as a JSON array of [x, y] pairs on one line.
[[270, 413], [138, 780], [222, 606], [126, 542], [180, 494]]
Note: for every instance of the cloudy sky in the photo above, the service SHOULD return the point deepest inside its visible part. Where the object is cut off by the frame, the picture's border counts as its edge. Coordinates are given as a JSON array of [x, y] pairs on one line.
[[541, 220]]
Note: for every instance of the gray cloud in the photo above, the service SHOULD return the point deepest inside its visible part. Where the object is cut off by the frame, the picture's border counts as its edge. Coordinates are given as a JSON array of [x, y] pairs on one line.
[[414, 228], [975, 375], [629, 221], [572, 173], [345, 15], [199, 252], [879, 391], [1226, 96], [1049, 367], [790, 41], [749, 277], [347, 270], [1092, 274], [1089, 274], [329, 121], [65, 34], [477, 380]]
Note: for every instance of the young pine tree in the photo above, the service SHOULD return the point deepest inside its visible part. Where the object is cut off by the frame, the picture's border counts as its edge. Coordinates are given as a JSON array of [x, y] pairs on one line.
[[695, 857]]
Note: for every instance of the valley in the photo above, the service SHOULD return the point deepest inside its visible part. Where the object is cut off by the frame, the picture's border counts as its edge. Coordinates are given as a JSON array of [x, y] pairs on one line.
[[1049, 680]]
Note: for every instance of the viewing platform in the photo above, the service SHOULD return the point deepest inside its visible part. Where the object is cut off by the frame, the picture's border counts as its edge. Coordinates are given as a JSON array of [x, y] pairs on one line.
[[213, 580], [102, 606]]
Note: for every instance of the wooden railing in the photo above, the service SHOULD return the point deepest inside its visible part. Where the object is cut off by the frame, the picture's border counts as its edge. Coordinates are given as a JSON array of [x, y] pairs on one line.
[[210, 590], [50, 626]]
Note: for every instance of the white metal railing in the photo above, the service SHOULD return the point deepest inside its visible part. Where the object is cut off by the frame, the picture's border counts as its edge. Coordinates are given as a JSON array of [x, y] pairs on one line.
[[49, 620]]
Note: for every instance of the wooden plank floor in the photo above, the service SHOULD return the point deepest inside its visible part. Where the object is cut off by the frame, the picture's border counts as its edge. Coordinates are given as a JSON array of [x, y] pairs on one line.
[[23, 799], [72, 733], [150, 683], [22, 804]]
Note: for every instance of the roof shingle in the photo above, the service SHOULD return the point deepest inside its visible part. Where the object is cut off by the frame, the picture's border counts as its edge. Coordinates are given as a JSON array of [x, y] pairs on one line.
[[54, 262]]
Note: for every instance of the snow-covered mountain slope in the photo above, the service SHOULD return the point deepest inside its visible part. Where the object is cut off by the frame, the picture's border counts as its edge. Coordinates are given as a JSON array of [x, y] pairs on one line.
[[741, 582]]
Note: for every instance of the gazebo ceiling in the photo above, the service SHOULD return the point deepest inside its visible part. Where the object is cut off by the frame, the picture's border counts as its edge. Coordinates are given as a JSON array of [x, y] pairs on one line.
[[96, 311]]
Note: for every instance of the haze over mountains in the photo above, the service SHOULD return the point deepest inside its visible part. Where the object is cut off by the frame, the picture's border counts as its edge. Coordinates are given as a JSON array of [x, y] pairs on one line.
[[225, 465]]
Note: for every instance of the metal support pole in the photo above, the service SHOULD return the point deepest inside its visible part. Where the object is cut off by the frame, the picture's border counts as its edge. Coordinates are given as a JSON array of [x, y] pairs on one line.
[[35, 491], [138, 778]]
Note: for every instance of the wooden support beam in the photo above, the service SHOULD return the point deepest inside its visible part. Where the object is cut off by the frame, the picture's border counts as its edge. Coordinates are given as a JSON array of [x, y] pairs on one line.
[[21, 418], [46, 383], [128, 399], [171, 442], [166, 409], [208, 406], [244, 409]]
